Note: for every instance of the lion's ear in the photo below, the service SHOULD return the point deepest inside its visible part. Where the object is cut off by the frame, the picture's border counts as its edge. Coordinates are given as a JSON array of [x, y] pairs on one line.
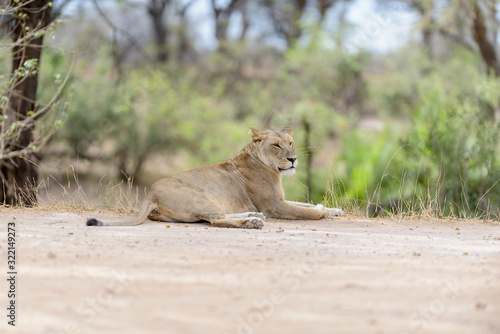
[[256, 135], [288, 131]]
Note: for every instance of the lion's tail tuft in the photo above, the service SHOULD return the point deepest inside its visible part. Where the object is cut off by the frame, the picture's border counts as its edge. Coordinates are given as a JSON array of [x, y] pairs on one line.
[[147, 205], [94, 222]]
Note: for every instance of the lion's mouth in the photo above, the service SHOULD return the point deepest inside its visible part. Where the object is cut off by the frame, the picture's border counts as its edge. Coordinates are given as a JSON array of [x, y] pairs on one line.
[[285, 169]]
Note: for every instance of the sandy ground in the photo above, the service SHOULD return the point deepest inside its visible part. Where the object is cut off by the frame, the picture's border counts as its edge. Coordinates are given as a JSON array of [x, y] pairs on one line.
[[338, 275]]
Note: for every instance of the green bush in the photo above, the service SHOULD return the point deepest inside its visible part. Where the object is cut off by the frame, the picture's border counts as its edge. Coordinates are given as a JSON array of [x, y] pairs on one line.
[[457, 132], [436, 154], [446, 164]]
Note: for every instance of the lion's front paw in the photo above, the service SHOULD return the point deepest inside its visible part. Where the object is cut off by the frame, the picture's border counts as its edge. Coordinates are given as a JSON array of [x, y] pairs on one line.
[[253, 223], [332, 212]]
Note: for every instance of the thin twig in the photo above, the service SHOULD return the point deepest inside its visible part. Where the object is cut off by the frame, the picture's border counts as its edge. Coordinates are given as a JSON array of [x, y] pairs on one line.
[[128, 36]]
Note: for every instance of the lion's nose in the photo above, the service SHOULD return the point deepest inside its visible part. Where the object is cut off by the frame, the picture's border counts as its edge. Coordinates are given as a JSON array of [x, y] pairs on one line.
[[292, 160]]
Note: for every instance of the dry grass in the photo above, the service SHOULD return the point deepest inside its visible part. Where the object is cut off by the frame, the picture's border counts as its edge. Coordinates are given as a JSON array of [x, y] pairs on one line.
[[421, 204], [77, 196], [124, 196]]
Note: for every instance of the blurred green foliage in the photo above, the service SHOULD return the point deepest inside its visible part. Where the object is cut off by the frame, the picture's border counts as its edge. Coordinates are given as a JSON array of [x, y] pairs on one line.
[[457, 132], [434, 148]]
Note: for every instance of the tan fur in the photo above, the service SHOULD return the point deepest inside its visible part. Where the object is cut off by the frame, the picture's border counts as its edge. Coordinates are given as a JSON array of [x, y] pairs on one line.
[[239, 192]]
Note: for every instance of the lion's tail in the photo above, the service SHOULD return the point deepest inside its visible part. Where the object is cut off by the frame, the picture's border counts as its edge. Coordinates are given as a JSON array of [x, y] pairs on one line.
[[144, 211]]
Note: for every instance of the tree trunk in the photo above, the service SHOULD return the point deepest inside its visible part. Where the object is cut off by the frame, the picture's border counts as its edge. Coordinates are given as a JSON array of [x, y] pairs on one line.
[[245, 23], [323, 6], [486, 48], [221, 20], [156, 9], [286, 17], [428, 23], [19, 175], [184, 47]]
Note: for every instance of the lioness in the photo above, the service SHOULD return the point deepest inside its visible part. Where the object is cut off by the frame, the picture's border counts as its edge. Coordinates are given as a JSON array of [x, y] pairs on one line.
[[239, 192]]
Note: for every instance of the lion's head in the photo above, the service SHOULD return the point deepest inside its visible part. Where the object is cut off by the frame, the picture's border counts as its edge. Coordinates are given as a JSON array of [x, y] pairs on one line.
[[275, 149]]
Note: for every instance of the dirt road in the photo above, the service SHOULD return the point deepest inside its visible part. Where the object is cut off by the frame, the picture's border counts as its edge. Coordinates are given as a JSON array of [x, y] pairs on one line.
[[342, 275]]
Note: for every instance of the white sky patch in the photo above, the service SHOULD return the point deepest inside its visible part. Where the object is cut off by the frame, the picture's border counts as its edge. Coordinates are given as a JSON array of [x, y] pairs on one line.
[[201, 15], [379, 29], [373, 27]]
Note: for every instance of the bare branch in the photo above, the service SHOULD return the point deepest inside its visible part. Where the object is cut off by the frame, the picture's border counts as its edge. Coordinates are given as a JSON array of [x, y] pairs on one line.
[[127, 35], [39, 142]]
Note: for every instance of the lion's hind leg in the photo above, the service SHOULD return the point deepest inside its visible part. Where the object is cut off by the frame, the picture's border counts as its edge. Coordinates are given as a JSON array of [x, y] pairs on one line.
[[246, 215], [250, 222], [156, 215], [241, 220], [178, 201]]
